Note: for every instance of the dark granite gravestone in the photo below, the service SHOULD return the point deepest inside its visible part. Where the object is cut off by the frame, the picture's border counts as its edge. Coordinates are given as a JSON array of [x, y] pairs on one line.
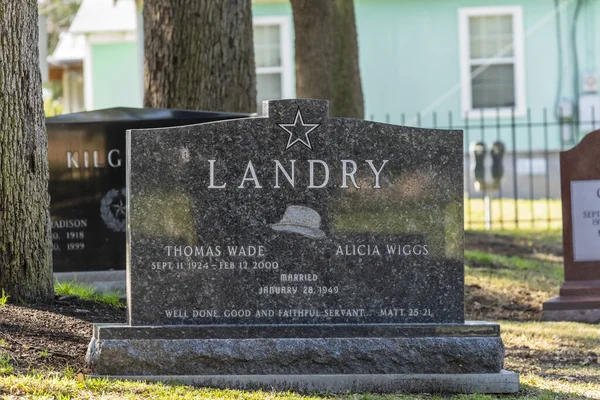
[[86, 156], [273, 251], [579, 298]]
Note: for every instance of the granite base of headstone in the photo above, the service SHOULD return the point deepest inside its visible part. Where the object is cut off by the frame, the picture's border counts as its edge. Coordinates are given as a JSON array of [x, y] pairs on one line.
[[579, 296], [298, 252]]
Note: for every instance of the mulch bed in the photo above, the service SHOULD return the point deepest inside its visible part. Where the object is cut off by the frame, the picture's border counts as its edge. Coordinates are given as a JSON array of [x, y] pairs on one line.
[[52, 336]]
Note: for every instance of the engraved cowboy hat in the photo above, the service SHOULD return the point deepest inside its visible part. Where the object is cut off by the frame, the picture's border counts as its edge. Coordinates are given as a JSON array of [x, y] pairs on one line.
[[302, 220]]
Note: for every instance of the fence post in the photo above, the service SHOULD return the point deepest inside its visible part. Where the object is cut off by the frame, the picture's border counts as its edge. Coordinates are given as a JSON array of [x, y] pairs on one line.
[[515, 185], [469, 223], [547, 157], [529, 142], [487, 203], [500, 196]]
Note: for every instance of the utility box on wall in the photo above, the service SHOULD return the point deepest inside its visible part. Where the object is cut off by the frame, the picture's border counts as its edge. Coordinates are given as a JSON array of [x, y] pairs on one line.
[[86, 156], [589, 112]]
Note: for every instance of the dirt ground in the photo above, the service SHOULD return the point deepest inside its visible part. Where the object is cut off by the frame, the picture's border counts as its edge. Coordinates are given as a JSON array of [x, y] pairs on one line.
[[54, 336], [518, 304]]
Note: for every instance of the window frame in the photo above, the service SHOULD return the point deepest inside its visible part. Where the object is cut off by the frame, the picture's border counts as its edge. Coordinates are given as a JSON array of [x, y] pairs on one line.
[[285, 46], [517, 59]]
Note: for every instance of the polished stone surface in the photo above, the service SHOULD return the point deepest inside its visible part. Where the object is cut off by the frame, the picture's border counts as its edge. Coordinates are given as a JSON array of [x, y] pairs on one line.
[[218, 233], [123, 331]]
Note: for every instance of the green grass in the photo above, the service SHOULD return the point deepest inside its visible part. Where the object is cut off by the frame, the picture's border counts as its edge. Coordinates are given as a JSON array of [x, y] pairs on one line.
[[5, 366], [52, 385], [536, 275], [552, 335], [86, 292], [4, 298], [532, 214]]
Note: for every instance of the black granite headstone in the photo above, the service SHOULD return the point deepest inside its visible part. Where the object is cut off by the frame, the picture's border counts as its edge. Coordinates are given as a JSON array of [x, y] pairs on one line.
[[295, 218], [295, 244], [86, 156]]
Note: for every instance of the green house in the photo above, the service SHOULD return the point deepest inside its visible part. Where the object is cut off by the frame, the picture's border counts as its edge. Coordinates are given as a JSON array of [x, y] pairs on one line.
[[524, 72]]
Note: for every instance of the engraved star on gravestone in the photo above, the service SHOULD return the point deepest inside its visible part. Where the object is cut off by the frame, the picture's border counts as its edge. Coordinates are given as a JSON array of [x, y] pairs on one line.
[[295, 130]]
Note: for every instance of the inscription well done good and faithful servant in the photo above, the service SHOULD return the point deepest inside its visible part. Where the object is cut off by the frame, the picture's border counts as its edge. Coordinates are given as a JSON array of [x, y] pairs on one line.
[[294, 218]]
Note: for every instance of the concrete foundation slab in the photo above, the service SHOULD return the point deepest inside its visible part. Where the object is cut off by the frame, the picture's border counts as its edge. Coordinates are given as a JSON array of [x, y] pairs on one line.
[[587, 316], [502, 382], [583, 308], [103, 281]]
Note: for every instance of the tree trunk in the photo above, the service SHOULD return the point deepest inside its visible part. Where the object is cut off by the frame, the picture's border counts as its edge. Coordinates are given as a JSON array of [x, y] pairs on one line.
[[314, 44], [327, 55], [199, 54], [347, 88], [25, 241]]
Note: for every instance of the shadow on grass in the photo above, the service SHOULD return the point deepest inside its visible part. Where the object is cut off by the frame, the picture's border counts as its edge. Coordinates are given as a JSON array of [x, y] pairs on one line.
[[484, 303], [521, 243]]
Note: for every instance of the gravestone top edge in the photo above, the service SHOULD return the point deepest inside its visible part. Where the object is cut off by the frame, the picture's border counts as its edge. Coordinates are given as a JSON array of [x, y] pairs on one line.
[[584, 145], [282, 109]]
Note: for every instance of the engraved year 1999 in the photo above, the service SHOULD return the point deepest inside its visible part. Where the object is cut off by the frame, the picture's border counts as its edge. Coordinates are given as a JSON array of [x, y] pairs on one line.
[[75, 246]]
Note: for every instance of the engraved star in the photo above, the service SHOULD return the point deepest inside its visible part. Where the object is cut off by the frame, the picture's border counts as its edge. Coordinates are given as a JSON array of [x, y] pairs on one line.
[[119, 209], [304, 129]]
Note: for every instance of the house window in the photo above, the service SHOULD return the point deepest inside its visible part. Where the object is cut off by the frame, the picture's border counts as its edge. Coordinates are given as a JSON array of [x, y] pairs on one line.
[[272, 54], [492, 73]]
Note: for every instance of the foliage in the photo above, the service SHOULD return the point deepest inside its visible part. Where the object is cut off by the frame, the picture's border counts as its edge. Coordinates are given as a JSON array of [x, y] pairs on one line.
[[86, 292], [52, 107], [4, 298], [5, 367], [60, 14], [515, 272]]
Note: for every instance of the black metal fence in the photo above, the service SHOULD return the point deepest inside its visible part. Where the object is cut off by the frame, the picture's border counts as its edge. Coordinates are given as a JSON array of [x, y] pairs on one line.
[[512, 170]]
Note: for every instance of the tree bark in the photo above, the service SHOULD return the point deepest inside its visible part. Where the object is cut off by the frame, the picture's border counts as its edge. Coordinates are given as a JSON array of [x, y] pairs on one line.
[[327, 55], [25, 238], [199, 54], [347, 88], [314, 44]]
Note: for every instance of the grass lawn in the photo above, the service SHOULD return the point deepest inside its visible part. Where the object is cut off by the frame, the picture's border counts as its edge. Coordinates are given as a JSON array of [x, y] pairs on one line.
[[113, 298], [540, 214], [556, 360]]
